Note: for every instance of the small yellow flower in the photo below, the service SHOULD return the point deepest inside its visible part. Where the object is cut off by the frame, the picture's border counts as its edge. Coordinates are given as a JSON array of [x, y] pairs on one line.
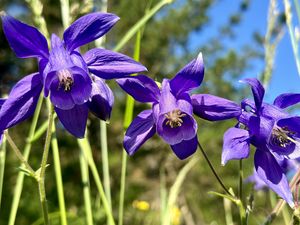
[[176, 215], [141, 205]]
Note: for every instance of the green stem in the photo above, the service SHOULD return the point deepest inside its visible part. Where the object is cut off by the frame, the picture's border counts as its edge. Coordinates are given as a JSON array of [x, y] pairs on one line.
[[297, 6], [127, 120], [288, 15], [122, 187], [213, 170], [241, 175], [19, 154], [2, 165], [86, 148], [58, 177], [141, 23], [20, 178], [86, 189], [65, 13], [41, 180], [105, 162]]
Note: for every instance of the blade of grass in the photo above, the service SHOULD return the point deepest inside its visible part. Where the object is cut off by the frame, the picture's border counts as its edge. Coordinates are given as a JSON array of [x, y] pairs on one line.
[[2, 165]]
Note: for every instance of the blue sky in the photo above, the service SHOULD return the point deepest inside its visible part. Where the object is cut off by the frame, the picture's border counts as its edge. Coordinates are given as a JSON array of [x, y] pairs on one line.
[[285, 77]]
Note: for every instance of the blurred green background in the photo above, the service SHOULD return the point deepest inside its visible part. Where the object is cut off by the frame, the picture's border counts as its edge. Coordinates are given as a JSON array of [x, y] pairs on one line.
[[166, 47]]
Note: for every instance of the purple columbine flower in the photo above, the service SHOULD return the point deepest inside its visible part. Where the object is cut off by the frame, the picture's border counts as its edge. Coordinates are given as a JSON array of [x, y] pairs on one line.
[[75, 82], [270, 129], [171, 115]]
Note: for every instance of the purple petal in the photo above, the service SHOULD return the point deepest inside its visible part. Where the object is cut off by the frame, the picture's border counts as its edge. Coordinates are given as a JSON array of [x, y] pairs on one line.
[[82, 87], [2, 100], [25, 40], [175, 135], [271, 173], [60, 98], [167, 101], [88, 28], [236, 145], [140, 130], [286, 100], [21, 102], [188, 77], [110, 65], [257, 90], [214, 108], [141, 88], [101, 100], [185, 148], [74, 120]]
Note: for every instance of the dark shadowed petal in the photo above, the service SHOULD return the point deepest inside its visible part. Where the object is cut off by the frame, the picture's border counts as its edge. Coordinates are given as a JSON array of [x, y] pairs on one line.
[[101, 100], [236, 145], [286, 100], [60, 98], [257, 90], [214, 108], [74, 120], [82, 87], [25, 40], [88, 28], [185, 148], [271, 173], [110, 65], [188, 77], [140, 130], [2, 100], [21, 102], [141, 88]]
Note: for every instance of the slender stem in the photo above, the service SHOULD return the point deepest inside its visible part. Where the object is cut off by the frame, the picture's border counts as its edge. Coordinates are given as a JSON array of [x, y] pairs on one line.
[[213, 170], [2, 165], [122, 187], [86, 189], [277, 209], [297, 6], [241, 175], [105, 161], [86, 148], [288, 15], [141, 23], [41, 180], [65, 12], [58, 177], [20, 178], [18, 153]]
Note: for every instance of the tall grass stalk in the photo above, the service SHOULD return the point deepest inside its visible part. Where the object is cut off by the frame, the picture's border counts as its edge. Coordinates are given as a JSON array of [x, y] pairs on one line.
[[86, 189], [20, 177], [289, 23], [87, 151], [2, 165]]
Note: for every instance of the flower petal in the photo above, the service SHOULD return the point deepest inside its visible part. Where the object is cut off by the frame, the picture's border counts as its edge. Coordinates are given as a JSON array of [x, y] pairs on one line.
[[60, 98], [141, 88], [21, 102], [101, 100], [74, 120], [271, 173], [88, 28], [140, 130], [214, 108], [25, 40], [188, 77], [167, 101], [185, 148], [286, 100], [109, 65], [257, 90], [236, 145], [82, 87]]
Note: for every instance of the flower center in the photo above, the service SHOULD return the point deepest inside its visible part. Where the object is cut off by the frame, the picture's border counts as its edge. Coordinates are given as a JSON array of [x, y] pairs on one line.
[[174, 118], [282, 136], [65, 79]]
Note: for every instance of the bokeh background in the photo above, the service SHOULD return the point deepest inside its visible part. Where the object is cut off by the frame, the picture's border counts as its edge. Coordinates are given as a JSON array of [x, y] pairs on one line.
[[231, 35]]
